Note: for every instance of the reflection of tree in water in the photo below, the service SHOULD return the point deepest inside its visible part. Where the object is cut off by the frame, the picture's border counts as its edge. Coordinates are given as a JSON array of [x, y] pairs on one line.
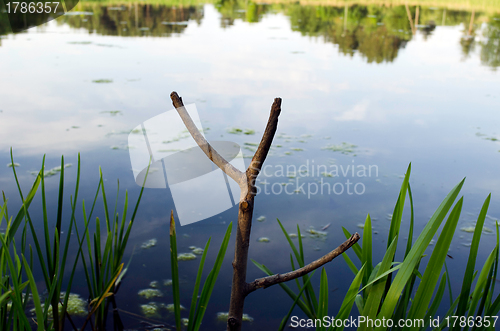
[[231, 10], [490, 46], [376, 33], [134, 20], [467, 41]]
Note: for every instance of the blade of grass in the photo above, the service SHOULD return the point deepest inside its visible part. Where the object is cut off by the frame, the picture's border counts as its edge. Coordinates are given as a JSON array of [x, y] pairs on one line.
[[212, 277], [471, 262], [416, 252], [285, 319], [175, 273], [435, 265]]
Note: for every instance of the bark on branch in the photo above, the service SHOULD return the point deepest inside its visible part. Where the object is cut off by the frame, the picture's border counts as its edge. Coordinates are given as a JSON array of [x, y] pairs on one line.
[[280, 278], [212, 154], [240, 288]]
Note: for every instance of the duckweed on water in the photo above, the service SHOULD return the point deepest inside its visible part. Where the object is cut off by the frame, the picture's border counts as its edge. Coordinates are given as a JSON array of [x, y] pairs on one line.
[[150, 243], [344, 148], [261, 218], [10, 165], [317, 234], [170, 307], [296, 149], [124, 147], [196, 250], [52, 172], [235, 130], [76, 306], [470, 229], [263, 240], [186, 257], [167, 282], [154, 284], [102, 81], [150, 309], [112, 112], [223, 316], [252, 144], [292, 235], [149, 293]]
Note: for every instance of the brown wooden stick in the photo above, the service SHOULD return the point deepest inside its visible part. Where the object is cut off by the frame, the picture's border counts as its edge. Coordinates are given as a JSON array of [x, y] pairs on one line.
[[280, 278], [245, 213], [212, 154]]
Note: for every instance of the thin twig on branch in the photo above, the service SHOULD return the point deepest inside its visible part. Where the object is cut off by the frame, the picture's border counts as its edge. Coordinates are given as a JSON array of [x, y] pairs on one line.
[[212, 154], [280, 278], [266, 141]]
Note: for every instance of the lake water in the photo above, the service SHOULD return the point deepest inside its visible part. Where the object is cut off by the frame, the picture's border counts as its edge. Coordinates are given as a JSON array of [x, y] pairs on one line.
[[362, 87]]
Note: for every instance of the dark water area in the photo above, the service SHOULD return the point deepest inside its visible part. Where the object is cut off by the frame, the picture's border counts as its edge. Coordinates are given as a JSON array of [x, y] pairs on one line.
[[369, 88]]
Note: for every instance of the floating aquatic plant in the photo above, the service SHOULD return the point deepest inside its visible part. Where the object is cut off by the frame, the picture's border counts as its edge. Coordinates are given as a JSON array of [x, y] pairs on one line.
[[150, 243], [102, 81], [263, 240], [235, 130], [186, 257], [51, 172], [154, 284], [76, 305], [344, 148], [196, 250], [223, 316], [149, 293], [170, 307], [112, 112], [261, 218], [150, 309], [167, 282], [15, 164]]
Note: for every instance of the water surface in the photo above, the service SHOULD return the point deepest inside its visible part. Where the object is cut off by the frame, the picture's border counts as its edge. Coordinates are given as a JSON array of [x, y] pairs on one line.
[[362, 86]]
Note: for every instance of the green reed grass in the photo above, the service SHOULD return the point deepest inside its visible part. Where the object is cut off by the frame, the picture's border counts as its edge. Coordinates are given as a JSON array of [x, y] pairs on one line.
[[198, 304], [399, 290], [105, 261]]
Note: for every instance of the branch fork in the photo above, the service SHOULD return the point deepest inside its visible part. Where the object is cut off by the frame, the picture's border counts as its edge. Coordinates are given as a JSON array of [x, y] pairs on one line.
[[240, 288]]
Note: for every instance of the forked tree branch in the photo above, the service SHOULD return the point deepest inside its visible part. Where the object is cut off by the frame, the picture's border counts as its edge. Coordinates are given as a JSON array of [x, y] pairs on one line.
[[240, 288], [266, 141], [212, 154], [280, 278]]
